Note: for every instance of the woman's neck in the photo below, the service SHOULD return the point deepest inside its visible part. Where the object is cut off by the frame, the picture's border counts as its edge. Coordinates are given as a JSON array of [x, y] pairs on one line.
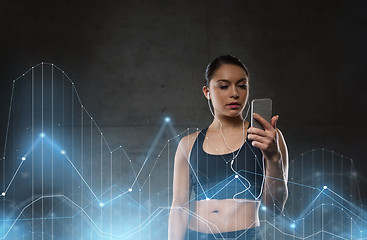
[[228, 123]]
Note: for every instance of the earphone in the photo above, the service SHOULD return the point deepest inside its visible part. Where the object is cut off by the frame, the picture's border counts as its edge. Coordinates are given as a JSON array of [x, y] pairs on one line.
[[208, 96], [235, 156]]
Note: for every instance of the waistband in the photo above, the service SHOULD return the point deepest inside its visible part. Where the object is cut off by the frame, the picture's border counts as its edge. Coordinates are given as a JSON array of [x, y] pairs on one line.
[[244, 234]]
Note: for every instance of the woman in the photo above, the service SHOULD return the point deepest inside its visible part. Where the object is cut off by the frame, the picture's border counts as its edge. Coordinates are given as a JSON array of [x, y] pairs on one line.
[[229, 172]]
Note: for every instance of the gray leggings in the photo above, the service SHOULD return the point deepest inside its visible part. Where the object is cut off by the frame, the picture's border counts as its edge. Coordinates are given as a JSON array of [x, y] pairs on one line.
[[245, 234]]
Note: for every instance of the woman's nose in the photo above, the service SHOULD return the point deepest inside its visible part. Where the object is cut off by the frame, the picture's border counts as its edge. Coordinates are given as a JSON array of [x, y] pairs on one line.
[[235, 93]]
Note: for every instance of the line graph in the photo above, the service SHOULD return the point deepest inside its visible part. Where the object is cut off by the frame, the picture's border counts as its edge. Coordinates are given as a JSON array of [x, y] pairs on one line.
[[63, 180]]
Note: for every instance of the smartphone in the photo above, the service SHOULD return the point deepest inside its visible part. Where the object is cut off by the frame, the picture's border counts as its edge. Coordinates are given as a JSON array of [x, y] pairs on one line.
[[263, 107]]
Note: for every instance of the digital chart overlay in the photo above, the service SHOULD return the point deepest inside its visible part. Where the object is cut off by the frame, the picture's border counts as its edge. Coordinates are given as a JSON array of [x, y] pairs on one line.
[[61, 179]]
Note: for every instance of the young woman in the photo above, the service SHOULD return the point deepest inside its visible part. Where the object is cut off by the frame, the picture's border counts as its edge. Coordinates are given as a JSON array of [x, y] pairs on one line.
[[230, 166]]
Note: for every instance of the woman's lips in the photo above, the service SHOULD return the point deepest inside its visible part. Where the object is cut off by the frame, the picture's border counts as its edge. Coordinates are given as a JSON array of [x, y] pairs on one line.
[[233, 106]]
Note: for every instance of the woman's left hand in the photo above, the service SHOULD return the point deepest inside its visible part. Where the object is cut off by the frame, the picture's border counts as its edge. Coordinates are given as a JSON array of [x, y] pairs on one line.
[[266, 140]]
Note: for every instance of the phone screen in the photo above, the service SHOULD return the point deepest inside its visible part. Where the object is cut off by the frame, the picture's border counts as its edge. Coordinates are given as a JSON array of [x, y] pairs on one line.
[[263, 107]]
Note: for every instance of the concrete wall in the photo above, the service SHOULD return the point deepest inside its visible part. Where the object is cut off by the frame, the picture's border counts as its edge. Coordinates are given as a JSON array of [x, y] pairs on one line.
[[135, 62]]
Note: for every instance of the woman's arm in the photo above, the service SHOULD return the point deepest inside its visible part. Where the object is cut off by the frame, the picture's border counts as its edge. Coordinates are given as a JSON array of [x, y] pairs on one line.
[[179, 214], [272, 144], [276, 190]]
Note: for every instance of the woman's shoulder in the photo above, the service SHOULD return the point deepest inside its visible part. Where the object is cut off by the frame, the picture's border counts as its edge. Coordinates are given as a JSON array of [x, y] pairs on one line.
[[187, 142], [190, 138]]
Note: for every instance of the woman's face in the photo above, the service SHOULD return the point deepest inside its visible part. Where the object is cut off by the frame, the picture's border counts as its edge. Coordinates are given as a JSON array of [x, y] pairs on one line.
[[228, 90]]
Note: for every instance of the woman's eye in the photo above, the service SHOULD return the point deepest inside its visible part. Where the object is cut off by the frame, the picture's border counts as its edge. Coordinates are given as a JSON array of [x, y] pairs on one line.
[[243, 86], [223, 87]]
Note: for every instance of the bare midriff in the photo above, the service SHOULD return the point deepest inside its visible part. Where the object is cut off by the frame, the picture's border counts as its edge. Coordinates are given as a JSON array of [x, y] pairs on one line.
[[224, 215]]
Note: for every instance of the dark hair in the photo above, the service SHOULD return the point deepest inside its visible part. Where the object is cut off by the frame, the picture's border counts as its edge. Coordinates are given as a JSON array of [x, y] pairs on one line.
[[219, 61]]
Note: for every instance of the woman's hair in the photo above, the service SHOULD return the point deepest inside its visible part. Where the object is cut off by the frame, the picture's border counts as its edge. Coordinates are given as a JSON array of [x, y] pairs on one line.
[[219, 61]]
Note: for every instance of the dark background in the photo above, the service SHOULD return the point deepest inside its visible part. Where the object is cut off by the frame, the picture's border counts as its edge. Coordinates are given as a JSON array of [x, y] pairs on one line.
[[135, 62]]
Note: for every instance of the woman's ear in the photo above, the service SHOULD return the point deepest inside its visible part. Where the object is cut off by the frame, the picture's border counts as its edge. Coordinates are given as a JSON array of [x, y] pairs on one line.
[[206, 92]]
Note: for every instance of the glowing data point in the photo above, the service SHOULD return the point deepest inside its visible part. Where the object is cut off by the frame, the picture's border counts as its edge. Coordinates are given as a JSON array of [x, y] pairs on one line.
[[3, 194], [101, 204], [263, 208], [167, 119], [23, 158], [207, 199], [42, 135], [130, 189], [293, 225], [325, 187], [236, 176], [62, 152]]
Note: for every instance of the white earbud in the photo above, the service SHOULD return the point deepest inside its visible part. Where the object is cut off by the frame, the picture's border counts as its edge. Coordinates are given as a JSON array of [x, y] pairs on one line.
[[208, 96]]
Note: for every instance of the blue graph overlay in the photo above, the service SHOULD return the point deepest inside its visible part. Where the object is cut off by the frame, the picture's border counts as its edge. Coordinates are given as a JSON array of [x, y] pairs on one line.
[[61, 179]]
